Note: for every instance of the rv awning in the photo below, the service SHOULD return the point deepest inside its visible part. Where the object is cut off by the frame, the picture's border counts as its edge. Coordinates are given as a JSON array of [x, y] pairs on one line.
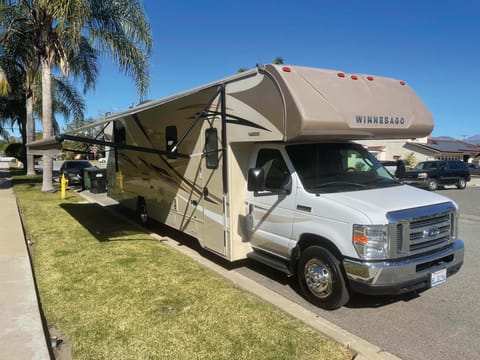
[[50, 146]]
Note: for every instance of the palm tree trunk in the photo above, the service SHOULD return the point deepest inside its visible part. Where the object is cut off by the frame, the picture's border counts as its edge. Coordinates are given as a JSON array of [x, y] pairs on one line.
[[30, 133], [47, 123]]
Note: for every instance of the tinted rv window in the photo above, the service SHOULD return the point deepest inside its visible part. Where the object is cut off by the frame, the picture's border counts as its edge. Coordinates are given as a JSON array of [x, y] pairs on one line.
[[211, 148], [171, 141]]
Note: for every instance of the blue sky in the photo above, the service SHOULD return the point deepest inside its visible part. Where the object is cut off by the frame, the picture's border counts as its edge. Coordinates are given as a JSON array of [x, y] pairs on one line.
[[433, 45]]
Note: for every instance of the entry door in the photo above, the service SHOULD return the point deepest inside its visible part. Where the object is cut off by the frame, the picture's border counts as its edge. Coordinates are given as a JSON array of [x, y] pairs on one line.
[[214, 237], [271, 211]]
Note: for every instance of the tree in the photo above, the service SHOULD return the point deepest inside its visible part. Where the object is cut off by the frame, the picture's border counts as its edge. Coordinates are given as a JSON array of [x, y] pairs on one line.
[[410, 160], [74, 148], [21, 103], [12, 104], [277, 61], [16, 150], [68, 36]]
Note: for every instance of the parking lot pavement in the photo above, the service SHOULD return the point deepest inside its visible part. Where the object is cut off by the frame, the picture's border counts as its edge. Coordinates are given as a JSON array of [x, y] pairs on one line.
[[475, 181]]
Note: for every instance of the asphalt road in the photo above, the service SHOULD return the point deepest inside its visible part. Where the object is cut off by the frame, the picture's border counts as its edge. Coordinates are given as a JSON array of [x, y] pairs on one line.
[[440, 323]]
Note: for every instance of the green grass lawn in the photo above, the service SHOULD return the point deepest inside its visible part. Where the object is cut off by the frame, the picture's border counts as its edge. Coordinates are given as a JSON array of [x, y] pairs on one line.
[[116, 293]]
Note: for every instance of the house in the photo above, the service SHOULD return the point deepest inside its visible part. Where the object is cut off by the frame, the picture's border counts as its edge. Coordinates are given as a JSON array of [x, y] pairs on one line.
[[423, 149]]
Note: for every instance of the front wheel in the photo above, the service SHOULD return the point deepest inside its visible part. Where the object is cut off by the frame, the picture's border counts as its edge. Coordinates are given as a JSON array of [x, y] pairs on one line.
[[432, 185], [461, 183], [321, 279]]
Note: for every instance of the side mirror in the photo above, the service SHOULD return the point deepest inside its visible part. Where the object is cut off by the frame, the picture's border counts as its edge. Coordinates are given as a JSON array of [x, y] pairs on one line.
[[256, 179], [400, 171]]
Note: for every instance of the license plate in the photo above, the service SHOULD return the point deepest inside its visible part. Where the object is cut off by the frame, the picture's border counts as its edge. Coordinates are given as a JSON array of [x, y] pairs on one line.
[[438, 277]]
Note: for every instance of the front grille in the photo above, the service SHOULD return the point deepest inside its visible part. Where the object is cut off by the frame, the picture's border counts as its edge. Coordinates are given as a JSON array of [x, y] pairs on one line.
[[422, 229], [428, 232]]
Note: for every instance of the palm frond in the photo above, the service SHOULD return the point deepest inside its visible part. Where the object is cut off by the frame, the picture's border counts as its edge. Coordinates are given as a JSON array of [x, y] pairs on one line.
[[68, 100]]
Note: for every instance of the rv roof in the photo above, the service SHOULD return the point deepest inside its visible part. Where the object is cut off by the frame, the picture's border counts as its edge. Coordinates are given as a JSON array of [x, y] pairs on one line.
[[322, 103], [333, 103]]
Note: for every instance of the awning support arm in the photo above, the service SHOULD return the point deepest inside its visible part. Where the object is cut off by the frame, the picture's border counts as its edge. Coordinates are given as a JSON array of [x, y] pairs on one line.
[[63, 137], [200, 115]]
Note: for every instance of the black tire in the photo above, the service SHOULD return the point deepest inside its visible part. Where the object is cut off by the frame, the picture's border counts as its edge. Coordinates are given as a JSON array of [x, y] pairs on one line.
[[461, 183], [321, 278], [432, 184], [142, 213]]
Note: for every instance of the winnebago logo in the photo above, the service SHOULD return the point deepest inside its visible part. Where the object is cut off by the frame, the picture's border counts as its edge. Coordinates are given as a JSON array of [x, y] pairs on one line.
[[382, 120]]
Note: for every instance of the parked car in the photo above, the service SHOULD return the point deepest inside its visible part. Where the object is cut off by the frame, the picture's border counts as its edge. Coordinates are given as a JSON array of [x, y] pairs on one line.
[[474, 169], [73, 170], [431, 174]]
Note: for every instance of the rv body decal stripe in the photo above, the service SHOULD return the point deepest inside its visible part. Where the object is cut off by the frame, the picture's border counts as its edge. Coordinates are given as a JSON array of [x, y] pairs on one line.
[[232, 119], [183, 180]]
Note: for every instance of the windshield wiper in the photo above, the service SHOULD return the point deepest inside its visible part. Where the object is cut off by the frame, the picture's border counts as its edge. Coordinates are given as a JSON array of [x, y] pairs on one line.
[[337, 183]]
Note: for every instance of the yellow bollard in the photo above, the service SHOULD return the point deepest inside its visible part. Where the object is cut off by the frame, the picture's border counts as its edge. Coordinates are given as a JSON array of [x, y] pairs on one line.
[[64, 183], [120, 180]]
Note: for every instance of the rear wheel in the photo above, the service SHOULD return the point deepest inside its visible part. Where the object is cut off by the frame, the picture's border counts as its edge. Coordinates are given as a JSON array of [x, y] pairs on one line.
[[321, 278], [142, 213], [432, 184], [461, 183]]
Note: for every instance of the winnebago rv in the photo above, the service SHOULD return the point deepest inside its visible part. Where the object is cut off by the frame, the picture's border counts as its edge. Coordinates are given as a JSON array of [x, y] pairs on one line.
[[262, 165]]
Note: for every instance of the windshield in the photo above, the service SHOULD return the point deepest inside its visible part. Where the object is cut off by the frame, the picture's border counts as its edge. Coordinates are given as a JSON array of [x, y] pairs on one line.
[[426, 165], [338, 167]]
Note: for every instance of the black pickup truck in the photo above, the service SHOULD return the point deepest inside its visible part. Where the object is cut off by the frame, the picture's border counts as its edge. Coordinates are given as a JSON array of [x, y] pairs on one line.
[[431, 174]]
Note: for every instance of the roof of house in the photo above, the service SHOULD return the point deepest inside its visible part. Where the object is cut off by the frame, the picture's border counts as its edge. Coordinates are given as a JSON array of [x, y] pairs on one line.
[[448, 146]]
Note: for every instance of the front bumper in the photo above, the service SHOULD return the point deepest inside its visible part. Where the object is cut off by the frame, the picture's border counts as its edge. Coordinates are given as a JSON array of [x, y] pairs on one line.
[[415, 182], [404, 275]]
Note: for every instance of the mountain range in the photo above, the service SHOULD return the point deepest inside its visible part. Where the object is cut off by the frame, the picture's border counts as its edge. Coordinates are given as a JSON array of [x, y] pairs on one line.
[[474, 139]]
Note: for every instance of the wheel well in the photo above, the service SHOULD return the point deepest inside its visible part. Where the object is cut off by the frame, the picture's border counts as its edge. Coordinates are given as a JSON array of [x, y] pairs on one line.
[[307, 240], [140, 201]]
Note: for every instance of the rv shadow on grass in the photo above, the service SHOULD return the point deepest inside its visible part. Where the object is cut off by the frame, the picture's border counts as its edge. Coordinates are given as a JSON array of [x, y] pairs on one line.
[[104, 225]]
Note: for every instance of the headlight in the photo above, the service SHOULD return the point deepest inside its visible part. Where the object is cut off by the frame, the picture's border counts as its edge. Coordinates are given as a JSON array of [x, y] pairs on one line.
[[371, 241], [423, 175]]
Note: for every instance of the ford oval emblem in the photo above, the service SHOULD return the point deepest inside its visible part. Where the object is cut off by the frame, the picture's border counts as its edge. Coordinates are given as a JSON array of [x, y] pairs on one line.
[[431, 232]]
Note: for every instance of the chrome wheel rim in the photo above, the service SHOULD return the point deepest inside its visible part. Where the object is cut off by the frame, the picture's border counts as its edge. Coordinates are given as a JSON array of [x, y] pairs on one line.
[[144, 216], [318, 278]]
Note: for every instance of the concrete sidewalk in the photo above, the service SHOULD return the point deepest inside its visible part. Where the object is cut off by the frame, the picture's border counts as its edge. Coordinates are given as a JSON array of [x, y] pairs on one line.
[[22, 334]]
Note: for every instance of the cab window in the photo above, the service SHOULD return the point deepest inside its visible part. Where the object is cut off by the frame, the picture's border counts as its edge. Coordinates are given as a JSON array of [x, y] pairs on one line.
[[276, 171]]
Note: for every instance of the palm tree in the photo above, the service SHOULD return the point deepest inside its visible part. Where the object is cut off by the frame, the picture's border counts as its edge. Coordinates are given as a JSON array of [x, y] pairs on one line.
[[21, 101], [61, 33]]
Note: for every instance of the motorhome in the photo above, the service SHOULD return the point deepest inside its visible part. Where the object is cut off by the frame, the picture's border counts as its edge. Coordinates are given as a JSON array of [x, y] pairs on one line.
[[262, 165]]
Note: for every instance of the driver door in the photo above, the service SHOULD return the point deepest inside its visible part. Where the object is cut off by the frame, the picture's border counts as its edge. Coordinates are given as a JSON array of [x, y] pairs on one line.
[[271, 211]]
